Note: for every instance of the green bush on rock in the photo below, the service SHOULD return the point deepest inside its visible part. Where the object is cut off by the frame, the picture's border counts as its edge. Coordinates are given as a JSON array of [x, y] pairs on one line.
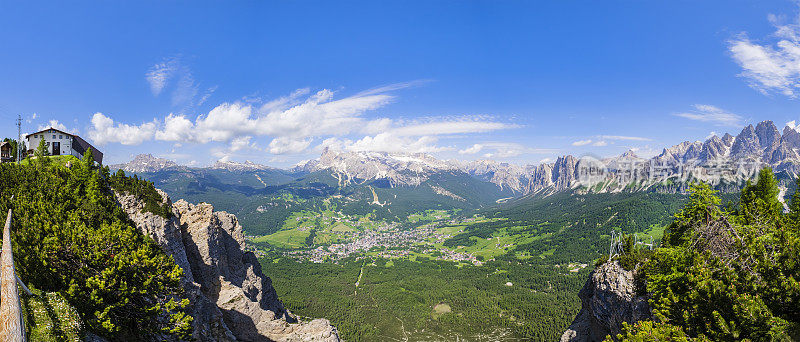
[[71, 237], [726, 274]]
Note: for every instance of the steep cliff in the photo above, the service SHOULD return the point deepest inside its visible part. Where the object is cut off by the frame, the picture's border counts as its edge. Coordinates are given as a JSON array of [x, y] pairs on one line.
[[231, 299], [608, 299]]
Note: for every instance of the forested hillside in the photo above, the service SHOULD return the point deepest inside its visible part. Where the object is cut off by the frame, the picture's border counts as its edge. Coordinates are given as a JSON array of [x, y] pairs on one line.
[[569, 226], [71, 237], [264, 199], [422, 299]]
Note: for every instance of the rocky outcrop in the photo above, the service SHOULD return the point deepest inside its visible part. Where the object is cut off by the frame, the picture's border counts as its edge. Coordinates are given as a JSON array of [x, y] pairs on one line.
[[608, 299], [231, 299]]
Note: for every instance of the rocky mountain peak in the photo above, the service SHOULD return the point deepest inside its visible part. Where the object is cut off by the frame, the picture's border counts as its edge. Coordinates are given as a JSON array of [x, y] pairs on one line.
[[790, 138], [728, 139], [768, 136], [398, 168], [714, 148], [146, 163], [629, 154], [746, 143]]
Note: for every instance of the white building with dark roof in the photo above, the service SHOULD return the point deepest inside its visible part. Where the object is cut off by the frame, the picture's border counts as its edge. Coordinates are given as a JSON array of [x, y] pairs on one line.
[[61, 143]]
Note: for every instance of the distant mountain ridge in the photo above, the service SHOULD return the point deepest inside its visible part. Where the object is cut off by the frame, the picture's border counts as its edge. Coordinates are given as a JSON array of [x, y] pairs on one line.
[[717, 160], [237, 166], [147, 163]]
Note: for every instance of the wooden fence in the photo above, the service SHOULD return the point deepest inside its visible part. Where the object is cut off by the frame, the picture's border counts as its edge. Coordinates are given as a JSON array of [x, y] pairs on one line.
[[12, 325]]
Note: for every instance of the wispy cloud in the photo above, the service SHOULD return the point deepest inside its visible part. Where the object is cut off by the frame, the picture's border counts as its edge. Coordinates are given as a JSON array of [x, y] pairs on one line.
[[623, 137], [452, 126], [582, 142], [394, 86], [774, 65], [712, 114], [605, 140], [502, 150], [159, 74], [174, 74]]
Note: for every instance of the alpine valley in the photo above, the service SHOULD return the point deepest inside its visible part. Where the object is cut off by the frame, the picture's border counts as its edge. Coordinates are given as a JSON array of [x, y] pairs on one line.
[[407, 247]]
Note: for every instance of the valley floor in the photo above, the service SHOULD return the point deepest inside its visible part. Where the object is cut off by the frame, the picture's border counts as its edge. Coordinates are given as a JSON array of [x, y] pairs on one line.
[[400, 282]]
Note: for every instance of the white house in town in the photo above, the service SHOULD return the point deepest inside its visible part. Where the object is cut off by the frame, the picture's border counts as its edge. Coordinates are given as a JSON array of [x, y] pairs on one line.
[[61, 143]]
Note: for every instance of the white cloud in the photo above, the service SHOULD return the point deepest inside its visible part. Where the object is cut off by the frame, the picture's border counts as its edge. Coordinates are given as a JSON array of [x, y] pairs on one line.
[[104, 130], [385, 142], [377, 126], [241, 143], [582, 142], [712, 114], [472, 149], [57, 125], [320, 115], [224, 123], [600, 143], [284, 145], [388, 142], [175, 128], [771, 66]]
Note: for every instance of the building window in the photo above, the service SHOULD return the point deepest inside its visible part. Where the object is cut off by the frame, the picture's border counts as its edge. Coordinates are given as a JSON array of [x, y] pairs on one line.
[[54, 136], [60, 136]]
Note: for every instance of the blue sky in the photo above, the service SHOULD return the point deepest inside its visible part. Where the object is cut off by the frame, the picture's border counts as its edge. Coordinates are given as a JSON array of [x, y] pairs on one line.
[[275, 82]]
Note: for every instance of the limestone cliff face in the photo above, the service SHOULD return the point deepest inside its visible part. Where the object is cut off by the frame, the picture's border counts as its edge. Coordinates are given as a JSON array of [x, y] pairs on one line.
[[608, 299], [231, 299]]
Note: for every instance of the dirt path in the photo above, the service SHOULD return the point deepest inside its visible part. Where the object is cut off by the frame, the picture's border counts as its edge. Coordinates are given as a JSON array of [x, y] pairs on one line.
[[361, 274]]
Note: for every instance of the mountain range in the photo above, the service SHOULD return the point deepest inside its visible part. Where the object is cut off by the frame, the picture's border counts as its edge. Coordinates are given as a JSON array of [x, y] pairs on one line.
[[721, 161]]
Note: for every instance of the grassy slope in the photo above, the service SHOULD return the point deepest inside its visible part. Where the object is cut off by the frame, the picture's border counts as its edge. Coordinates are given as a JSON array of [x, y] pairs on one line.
[[48, 317]]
